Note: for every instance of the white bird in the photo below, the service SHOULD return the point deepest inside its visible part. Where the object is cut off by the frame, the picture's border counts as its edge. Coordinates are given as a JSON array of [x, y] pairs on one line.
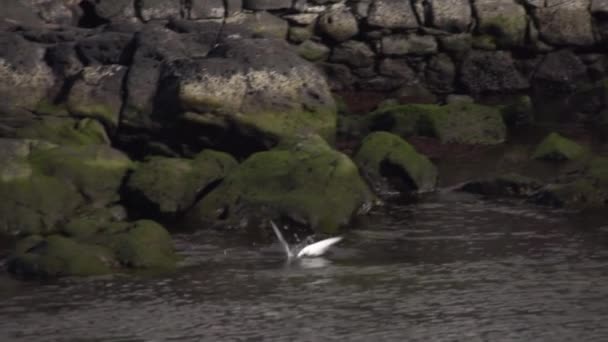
[[313, 250]]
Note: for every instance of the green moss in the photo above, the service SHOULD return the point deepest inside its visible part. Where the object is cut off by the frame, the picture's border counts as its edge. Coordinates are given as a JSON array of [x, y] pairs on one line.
[[35, 205], [96, 171], [97, 111], [555, 147], [485, 42], [46, 108], [171, 185], [306, 181], [382, 148], [507, 30], [313, 51], [580, 194], [459, 122], [64, 131], [60, 256]]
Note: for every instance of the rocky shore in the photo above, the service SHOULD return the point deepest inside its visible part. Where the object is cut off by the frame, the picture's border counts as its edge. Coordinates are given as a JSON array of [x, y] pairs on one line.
[[118, 118]]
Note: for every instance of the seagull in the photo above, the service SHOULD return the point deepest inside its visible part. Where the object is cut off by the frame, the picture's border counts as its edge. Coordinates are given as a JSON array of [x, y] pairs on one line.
[[311, 251]]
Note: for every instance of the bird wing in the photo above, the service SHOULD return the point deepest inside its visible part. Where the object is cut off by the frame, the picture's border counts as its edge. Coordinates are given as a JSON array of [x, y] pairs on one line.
[[318, 248], [277, 232]]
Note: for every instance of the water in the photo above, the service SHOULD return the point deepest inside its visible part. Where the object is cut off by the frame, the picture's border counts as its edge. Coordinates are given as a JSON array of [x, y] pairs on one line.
[[451, 268]]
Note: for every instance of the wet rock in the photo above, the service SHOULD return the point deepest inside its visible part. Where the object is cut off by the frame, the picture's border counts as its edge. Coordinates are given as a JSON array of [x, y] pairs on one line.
[[504, 19], [97, 94], [491, 72], [339, 25], [313, 51], [388, 161], [451, 15], [64, 131], [308, 183], [567, 23], [169, 186], [353, 53], [519, 111], [392, 14], [408, 44], [557, 148], [113, 10], [507, 185], [266, 4], [453, 123]]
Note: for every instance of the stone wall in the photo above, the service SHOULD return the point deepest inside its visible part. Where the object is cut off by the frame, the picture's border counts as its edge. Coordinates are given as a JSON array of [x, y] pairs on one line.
[[418, 49]]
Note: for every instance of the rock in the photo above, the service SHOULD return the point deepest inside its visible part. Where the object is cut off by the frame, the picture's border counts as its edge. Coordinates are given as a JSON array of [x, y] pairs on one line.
[[392, 14], [457, 45], [169, 186], [308, 182], [572, 73], [302, 18], [267, 98], [506, 185], [386, 158], [113, 10], [339, 25], [464, 123], [65, 131], [206, 9], [408, 44], [456, 98], [105, 48], [578, 194], [519, 112], [255, 25], [266, 4], [414, 93], [504, 19], [159, 9], [398, 68], [64, 60], [491, 72], [557, 148], [298, 34], [353, 53], [97, 94], [60, 256], [567, 23], [451, 15], [233, 7], [97, 171], [485, 42], [21, 12], [440, 74], [313, 51], [25, 79]]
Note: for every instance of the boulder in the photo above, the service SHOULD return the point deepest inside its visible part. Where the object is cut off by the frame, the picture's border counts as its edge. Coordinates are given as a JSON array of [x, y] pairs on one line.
[[339, 25], [385, 158], [64, 131], [392, 14], [566, 23], [484, 72], [158, 9], [451, 15], [313, 51], [506, 185], [306, 182], [255, 25], [106, 48], [557, 148], [459, 122], [504, 19], [112, 10], [353, 53], [408, 45], [440, 74], [169, 186], [206, 9], [97, 93]]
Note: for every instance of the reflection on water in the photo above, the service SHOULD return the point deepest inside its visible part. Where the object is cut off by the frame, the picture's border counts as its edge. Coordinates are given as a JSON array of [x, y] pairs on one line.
[[449, 269]]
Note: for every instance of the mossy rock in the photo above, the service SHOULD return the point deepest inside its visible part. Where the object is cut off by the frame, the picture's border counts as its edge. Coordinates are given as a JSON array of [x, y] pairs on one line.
[[65, 131], [579, 194], [60, 256], [519, 112], [89, 222], [97, 171], [305, 181], [598, 170], [143, 244], [35, 205], [465, 123], [507, 185], [385, 156], [171, 185], [557, 148]]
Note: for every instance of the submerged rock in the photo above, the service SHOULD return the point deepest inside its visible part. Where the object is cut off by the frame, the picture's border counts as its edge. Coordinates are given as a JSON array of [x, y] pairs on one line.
[[507, 185], [386, 158], [557, 148], [458, 122], [171, 185], [306, 182]]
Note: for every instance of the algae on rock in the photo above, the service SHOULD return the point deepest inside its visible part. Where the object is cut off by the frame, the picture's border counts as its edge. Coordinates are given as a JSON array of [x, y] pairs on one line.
[[386, 157], [305, 181], [557, 148]]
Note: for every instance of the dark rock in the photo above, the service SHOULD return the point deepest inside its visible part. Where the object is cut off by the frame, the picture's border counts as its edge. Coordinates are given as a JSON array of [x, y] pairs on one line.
[[266, 4], [440, 74], [567, 23], [393, 14], [353, 53], [206, 9], [491, 72], [159, 9], [451, 15], [409, 44], [504, 19], [106, 48], [507, 185], [113, 10]]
